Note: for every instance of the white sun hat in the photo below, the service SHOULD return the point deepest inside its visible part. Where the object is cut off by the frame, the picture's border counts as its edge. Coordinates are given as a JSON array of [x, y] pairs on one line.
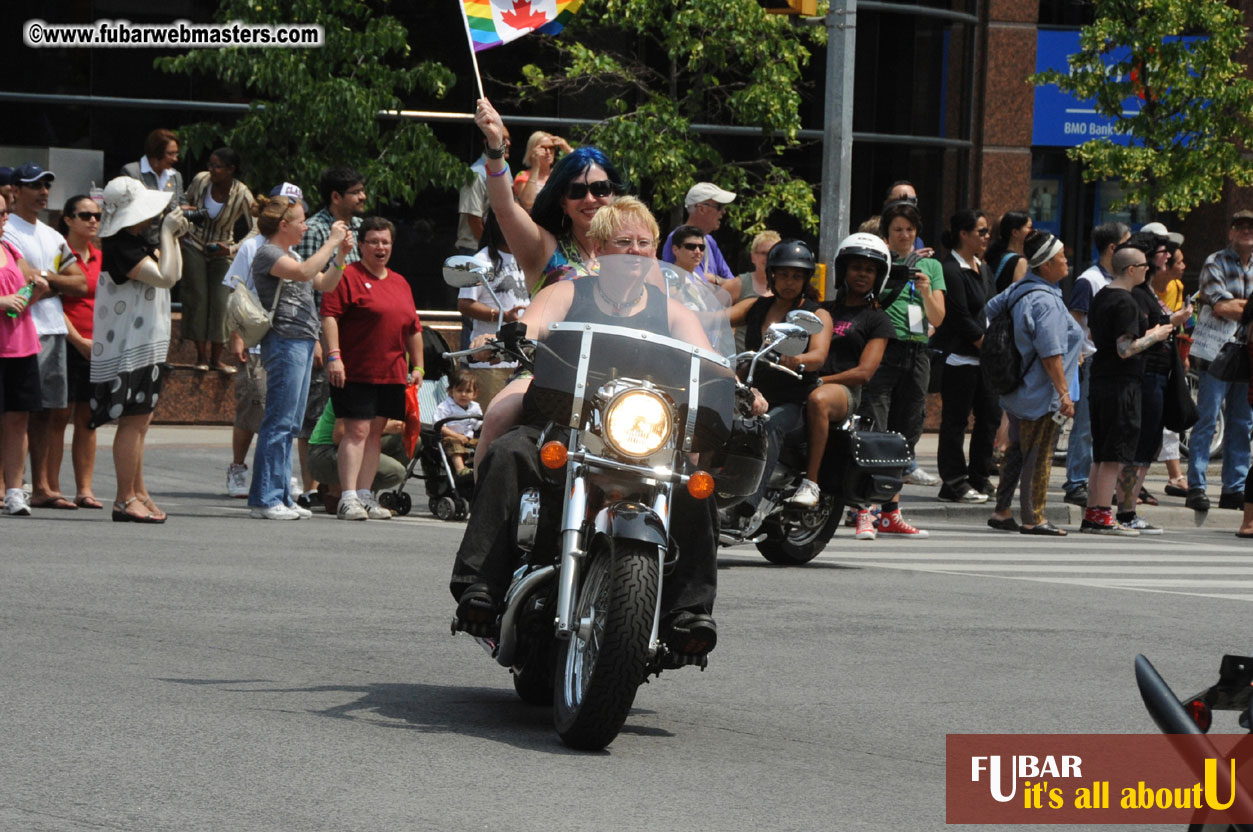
[[127, 202]]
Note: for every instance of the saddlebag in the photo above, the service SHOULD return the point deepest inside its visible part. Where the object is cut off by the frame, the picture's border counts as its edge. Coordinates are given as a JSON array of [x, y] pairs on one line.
[[867, 466]]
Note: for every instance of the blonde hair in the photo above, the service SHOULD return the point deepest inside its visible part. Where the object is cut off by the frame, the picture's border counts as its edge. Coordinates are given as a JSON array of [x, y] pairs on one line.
[[538, 136], [270, 211], [610, 218], [767, 236], [870, 226]]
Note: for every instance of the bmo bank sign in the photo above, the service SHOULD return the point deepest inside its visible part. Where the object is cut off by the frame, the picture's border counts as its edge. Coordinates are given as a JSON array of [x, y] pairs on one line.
[[1061, 120]]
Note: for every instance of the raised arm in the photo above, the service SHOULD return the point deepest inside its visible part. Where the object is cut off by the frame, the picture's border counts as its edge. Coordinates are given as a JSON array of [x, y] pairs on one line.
[[530, 244]]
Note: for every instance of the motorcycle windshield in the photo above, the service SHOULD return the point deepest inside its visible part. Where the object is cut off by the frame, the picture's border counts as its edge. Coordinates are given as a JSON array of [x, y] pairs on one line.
[[633, 323]]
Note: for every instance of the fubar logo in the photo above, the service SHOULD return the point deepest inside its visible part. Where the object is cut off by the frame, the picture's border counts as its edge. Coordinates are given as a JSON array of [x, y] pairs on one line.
[[1025, 767]]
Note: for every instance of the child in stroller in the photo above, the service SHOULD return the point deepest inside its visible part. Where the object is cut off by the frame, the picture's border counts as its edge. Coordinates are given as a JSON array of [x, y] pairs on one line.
[[448, 449]]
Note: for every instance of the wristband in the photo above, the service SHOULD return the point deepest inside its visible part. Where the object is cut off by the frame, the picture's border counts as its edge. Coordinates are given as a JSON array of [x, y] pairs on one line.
[[497, 152], [420, 371], [501, 172]]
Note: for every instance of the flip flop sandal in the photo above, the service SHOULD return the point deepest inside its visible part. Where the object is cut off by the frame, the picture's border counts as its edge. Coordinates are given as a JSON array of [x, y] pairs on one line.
[[157, 515], [88, 502], [1046, 529], [59, 503], [1003, 524], [121, 515]]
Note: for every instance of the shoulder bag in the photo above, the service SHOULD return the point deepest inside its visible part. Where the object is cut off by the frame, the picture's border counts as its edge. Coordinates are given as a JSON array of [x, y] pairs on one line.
[[246, 315], [1232, 362], [1178, 409]]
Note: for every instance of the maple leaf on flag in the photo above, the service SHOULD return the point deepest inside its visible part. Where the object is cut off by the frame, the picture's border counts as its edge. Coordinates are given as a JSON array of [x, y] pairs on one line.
[[523, 18]]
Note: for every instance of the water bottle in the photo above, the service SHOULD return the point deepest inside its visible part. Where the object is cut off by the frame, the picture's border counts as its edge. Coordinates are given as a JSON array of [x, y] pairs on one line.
[[25, 292]]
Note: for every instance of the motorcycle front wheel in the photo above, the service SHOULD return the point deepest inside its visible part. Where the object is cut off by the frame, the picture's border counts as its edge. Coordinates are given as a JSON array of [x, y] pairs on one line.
[[605, 659], [793, 544]]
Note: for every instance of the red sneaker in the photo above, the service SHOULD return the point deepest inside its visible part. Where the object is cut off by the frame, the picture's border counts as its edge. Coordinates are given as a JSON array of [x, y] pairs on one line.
[[893, 523], [865, 525]]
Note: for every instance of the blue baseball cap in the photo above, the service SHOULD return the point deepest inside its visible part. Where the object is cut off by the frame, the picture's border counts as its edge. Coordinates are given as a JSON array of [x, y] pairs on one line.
[[6, 175], [30, 173]]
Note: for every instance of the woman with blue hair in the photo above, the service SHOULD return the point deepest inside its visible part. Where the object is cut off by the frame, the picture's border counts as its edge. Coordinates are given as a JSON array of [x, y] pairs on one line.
[[551, 243]]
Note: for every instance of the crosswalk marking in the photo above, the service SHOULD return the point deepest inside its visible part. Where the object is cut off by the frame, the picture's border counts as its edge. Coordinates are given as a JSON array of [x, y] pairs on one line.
[[1204, 565]]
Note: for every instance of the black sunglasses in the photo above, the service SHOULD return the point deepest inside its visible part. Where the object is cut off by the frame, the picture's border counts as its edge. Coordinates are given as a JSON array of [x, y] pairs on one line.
[[600, 189], [694, 246], [88, 216]]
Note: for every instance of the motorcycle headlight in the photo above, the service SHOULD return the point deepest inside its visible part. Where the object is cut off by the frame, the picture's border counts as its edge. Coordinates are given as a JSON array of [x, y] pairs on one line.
[[637, 423]]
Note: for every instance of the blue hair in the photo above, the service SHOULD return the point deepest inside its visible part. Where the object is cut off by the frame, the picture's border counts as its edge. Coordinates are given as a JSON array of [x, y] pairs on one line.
[[547, 210]]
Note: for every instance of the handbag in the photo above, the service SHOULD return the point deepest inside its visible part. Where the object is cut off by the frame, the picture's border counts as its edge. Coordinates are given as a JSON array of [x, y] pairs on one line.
[[1232, 361], [866, 466], [1178, 409], [246, 315]]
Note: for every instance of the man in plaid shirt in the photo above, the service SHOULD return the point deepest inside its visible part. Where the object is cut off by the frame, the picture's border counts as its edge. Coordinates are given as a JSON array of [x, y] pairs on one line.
[[1226, 283], [343, 198]]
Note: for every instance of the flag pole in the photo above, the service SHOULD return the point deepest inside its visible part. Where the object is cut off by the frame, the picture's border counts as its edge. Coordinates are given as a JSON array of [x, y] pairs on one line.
[[474, 58]]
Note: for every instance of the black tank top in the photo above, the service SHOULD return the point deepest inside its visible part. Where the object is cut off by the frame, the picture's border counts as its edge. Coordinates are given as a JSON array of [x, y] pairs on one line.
[[654, 318], [541, 405], [777, 387]]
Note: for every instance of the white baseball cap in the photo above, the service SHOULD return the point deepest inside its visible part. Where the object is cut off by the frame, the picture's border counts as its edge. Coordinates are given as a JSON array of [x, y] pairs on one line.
[[705, 191], [1160, 230]]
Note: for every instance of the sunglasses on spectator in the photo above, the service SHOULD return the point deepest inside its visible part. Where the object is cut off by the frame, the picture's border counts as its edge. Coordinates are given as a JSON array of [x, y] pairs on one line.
[[694, 246], [983, 232], [88, 216], [717, 206], [912, 200], [599, 189]]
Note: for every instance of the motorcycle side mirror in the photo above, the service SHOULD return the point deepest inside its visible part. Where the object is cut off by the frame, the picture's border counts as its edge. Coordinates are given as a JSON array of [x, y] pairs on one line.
[[787, 338], [807, 321], [463, 271]]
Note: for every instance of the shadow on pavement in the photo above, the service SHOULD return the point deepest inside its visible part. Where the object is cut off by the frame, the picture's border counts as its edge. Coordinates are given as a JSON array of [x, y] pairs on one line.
[[491, 714]]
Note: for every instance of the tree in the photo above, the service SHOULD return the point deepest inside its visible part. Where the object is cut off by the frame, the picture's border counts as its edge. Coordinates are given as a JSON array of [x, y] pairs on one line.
[[312, 108], [1195, 121], [658, 66]]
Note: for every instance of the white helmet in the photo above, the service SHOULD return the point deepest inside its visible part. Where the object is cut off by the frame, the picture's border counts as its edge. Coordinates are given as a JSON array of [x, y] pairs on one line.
[[862, 244]]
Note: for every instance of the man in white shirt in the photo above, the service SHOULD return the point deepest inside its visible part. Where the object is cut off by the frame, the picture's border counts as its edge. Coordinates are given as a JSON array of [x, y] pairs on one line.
[[46, 253]]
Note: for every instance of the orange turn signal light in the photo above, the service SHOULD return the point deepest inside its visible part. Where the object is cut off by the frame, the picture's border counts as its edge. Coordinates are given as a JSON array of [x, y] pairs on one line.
[[553, 455], [701, 485]]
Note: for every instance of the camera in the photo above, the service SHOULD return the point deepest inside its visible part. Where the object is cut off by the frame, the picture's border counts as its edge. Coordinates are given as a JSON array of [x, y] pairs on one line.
[[196, 216]]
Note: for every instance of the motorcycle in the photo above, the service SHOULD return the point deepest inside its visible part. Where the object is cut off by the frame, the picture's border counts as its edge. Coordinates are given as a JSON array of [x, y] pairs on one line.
[[1195, 715], [789, 534], [627, 414]]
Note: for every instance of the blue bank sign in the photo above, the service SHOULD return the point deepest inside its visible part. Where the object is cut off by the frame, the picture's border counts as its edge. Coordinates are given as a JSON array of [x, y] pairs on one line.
[[1060, 119]]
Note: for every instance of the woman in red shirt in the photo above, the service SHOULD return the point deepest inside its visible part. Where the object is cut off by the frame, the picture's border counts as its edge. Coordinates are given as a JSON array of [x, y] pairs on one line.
[[373, 340], [80, 223]]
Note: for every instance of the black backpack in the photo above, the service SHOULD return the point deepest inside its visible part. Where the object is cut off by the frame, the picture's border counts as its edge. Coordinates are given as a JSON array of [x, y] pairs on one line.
[[999, 358]]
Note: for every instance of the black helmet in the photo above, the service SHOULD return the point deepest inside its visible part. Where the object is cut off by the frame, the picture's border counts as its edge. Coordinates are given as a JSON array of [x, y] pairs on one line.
[[791, 253], [869, 246]]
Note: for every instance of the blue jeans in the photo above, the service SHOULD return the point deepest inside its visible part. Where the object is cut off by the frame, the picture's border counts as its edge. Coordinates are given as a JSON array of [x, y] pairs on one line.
[[784, 419], [288, 364], [1079, 449], [1210, 396]]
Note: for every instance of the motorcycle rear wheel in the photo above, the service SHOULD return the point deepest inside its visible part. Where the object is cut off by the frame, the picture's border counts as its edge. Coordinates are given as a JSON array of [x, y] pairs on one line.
[[602, 664], [794, 545]]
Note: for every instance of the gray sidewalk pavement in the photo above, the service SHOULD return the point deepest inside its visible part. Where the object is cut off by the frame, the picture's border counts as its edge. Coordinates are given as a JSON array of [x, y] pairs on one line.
[[921, 505]]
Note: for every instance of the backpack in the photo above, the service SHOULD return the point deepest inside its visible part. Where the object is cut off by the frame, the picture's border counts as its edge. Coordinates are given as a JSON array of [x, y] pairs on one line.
[[1000, 359]]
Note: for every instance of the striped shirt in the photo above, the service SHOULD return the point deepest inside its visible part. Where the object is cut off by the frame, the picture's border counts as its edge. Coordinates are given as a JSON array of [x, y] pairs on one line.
[[219, 229]]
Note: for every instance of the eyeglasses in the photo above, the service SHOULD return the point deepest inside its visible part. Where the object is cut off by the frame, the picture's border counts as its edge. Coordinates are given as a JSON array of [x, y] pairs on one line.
[[644, 243], [694, 246], [88, 216], [599, 189], [717, 206], [983, 232], [4, 213], [1138, 266], [41, 185]]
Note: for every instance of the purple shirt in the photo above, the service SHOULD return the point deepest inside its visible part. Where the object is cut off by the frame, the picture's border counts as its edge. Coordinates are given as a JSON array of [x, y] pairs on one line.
[[711, 263]]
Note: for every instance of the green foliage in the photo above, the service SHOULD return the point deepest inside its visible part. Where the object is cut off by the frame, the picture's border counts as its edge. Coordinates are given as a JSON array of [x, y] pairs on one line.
[[1197, 115], [313, 108], [660, 66]]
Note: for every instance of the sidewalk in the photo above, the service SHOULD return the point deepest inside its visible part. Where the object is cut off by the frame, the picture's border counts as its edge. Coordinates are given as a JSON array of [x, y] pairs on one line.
[[919, 504]]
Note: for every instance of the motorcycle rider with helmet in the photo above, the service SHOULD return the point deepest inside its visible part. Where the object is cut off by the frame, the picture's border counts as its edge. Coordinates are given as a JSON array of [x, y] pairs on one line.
[[790, 265], [860, 333], [486, 558]]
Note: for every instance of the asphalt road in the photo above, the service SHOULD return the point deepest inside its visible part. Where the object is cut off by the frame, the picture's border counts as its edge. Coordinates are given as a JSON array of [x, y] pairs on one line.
[[221, 673]]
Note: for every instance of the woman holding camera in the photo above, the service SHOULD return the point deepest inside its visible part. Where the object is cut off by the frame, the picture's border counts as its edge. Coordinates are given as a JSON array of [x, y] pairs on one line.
[[220, 202]]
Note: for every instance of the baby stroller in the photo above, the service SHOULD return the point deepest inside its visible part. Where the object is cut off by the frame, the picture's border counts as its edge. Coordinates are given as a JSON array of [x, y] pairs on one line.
[[448, 495]]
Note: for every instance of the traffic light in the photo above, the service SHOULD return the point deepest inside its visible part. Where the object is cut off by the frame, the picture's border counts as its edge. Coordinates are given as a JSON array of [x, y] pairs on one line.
[[805, 7]]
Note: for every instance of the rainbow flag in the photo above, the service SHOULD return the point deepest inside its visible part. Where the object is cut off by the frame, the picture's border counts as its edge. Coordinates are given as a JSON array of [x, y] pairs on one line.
[[495, 22]]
